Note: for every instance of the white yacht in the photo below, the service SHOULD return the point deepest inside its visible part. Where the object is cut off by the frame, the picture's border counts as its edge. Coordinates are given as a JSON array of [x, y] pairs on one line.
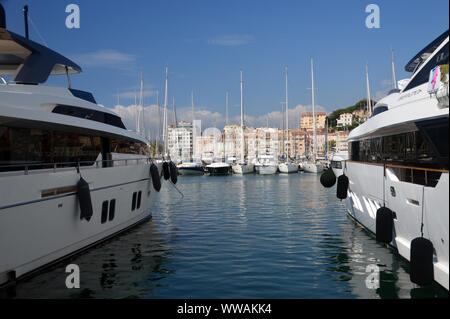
[[71, 174], [266, 165], [399, 164], [242, 167], [218, 168], [288, 167], [190, 168], [312, 167]]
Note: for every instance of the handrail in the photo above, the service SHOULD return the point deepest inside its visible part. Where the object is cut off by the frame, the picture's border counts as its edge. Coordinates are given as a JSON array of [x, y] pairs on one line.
[[400, 166], [71, 165]]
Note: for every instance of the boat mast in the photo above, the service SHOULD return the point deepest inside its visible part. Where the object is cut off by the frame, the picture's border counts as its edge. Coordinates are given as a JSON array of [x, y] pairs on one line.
[[159, 120], [192, 104], [166, 104], [287, 118], [226, 109], [194, 132], [242, 122], [314, 112], [369, 102], [141, 103], [174, 111], [138, 111], [394, 81]]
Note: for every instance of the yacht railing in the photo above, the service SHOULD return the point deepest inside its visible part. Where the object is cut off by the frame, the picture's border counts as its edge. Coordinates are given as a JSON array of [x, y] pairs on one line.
[[40, 168], [411, 174]]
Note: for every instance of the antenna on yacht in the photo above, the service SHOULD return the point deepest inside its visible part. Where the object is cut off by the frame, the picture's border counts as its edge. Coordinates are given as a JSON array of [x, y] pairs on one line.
[[2, 17], [394, 81], [25, 17], [369, 102], [69, 85]]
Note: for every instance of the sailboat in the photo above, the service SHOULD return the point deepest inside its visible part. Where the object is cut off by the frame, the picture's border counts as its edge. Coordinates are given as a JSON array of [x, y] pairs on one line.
[[287, 166], [313, 166], [242, 167]]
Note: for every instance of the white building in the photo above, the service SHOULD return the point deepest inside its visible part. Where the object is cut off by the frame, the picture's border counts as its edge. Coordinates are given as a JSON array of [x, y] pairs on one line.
[[345, 119], [180, 141]]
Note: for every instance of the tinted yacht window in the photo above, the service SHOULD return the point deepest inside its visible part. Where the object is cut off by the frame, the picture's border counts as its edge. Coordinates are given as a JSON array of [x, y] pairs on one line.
[[422, 77]]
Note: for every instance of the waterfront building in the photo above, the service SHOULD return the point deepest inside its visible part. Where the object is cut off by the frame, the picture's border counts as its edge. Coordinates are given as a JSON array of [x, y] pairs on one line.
[[180, 141], [307, 121], [345, 119]]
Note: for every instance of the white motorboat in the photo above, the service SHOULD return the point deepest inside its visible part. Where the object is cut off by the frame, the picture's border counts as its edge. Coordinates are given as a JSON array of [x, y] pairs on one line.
[[218, 169], [337, 162], [71, 174], [186, 169], [398, 167]]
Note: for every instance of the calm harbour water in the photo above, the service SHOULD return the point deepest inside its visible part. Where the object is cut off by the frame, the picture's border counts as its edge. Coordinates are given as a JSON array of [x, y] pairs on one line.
[[280, 236]]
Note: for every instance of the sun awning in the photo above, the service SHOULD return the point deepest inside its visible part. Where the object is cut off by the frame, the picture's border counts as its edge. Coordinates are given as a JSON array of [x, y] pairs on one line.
[[29, 62]]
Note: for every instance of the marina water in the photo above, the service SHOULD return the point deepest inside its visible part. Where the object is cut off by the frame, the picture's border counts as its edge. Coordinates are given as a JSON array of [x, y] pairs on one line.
[[275, 236]]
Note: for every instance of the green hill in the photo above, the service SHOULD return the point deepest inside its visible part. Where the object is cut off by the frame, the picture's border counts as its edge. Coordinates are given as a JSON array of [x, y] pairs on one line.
[[333, 116]]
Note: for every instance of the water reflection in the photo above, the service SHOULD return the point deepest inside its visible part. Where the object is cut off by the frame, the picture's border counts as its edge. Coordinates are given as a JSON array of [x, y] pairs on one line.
[[237, 237]]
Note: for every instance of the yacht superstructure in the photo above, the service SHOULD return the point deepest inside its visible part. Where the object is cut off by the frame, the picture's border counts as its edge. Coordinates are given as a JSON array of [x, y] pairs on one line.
[[398, 161], [71, 174]]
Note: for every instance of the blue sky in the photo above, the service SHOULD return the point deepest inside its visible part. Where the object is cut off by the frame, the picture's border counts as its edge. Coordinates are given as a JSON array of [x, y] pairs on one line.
[[206, 43]]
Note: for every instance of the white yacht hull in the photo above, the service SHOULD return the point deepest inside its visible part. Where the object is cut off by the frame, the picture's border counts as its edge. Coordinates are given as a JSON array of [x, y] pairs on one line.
[[287, 168], [243, 169], [312, 167], [266, 169], [365, 196], [38, 229]]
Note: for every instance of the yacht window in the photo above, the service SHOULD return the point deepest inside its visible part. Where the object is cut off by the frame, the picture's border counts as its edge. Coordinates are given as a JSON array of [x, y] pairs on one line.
[[20, 146], [89, 114], [128, 147], [104, 212], [336, 164], [422, 77], [112, 209], [410, 149]]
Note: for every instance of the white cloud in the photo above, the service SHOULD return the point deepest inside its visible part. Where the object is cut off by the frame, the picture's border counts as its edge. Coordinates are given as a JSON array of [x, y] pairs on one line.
[[105, 58], [132, 94], [231, 40], [208, 118]]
